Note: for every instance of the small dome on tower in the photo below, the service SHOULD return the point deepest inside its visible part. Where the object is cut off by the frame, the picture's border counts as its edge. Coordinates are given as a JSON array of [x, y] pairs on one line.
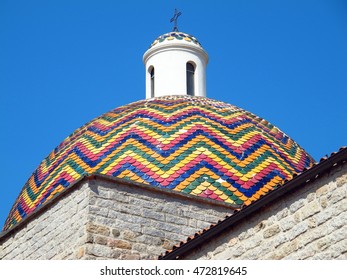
[[175, 65], [175, 37]]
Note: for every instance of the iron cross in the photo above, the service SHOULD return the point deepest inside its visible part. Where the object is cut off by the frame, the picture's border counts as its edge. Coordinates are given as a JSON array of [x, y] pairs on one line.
[[174, 19]]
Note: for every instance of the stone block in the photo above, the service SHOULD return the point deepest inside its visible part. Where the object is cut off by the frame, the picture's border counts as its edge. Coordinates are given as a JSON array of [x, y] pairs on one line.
[[287, 248], [338, 249], [253, 242], [130, 235], [132, 219], [324, 215], [312, 222], [95, 210], [176, 220], [312, 235], [166, 227], [297, 217], [255, 253], [338, 235], [249, 233], [141, 202], [322, 256], [93, 199], [174, 236], [282, 214], [130, 209], [211, 219], [170, 209], [141, 248], [310, 209], [188, 231], [98, 229], [150, 214], [322, 243], [118, 243], [116, 195], [324, 202], [340, 207], [338, 221], [341, 180], [297, 205], [271, 231], [102, 240], [192, 223], [276, 241], [115, 232], [102, 251], [297, 230], [89, 237], [310, 197], [105, 203], [80, 197], [233, 241], [153, 231], [202, 225], [127, 226], [149, 240], [322, 191], [112, 214], [193, 215], [338, 195], [237, 251], [305, 254], [156, 251]]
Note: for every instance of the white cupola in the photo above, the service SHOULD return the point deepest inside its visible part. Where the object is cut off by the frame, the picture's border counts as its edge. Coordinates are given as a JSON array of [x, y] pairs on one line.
[[175, 65]]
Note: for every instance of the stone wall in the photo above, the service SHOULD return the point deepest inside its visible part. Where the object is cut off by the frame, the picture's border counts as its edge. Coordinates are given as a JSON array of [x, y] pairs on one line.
[[108, 219], [58, 233], [128, 222], [103, 219], [310, 223]]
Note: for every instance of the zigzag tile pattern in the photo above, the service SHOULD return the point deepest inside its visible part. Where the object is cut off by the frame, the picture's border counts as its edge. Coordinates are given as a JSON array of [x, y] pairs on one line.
[[193, 145]]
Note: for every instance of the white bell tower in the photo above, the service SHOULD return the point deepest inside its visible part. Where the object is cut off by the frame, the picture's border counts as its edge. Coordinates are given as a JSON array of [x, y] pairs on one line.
[[175, 65]]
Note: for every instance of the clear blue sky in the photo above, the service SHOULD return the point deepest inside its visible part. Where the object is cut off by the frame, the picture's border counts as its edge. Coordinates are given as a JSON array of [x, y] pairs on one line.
[[63, 63]]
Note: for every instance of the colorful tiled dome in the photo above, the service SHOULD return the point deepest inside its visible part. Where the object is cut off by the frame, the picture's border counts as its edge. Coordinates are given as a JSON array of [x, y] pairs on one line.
[[179, 36], [193, 145]]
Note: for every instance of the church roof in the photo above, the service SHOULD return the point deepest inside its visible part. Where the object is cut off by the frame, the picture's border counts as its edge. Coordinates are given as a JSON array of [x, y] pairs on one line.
[[176, 36], [193, 145]]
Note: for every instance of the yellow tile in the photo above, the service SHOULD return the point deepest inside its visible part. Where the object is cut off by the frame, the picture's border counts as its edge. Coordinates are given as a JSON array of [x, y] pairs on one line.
[[191, 179], [201, 187], [244, 178], [197, 191], [218, 192], [205, 184], [228, 200], [160, 172]]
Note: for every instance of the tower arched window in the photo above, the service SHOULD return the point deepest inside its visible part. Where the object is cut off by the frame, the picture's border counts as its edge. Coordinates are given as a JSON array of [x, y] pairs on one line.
[[152, 80], [190, 78]]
